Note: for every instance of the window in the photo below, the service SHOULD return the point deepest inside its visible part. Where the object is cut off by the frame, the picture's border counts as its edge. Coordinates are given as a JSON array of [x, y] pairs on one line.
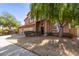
[[31, 20]]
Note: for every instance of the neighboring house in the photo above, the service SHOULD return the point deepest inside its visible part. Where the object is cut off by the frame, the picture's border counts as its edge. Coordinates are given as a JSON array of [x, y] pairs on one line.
[[43, 26]]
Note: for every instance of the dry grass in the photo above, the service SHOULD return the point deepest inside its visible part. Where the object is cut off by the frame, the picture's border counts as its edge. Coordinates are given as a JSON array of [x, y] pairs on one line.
[[47, 46]]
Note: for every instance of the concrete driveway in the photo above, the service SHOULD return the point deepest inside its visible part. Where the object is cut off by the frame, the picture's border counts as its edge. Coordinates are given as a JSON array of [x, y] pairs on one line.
[[9, 49]]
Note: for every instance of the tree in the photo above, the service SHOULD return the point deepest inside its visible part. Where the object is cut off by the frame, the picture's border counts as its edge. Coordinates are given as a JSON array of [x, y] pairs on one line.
[[2, 20], [10, 20], [61, 13]]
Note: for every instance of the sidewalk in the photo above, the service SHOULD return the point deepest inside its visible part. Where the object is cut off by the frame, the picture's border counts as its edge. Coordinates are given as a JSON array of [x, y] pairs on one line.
[[9, 49]]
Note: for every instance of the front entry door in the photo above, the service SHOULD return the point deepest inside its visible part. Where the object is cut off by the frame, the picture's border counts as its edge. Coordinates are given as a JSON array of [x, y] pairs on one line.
[[42, 30]]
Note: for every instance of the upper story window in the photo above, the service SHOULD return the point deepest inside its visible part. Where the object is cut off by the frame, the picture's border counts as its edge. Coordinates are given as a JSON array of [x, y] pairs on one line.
[[31, 20]]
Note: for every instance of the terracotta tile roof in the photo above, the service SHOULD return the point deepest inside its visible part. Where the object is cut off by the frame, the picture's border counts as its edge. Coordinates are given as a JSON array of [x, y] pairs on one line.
[[26, 18], [27, 15]]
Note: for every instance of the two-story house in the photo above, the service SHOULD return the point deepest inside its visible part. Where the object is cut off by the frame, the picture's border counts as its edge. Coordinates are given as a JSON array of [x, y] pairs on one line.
[[33, 25], [43, 26]]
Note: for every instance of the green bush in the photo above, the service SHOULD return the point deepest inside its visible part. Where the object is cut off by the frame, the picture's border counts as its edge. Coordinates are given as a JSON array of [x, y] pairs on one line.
[[16, 30], [1, 30], [32, 33], [6, 31], [29, 33], [49, 34], [38, 33], [69, 35], [52, 34]]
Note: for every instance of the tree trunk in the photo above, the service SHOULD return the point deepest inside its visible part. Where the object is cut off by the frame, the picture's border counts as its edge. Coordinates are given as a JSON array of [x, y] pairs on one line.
[[60, 33], [9, 29]]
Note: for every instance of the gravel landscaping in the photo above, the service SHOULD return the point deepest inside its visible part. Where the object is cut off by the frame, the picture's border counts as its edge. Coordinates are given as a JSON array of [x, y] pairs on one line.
[[47, 46]]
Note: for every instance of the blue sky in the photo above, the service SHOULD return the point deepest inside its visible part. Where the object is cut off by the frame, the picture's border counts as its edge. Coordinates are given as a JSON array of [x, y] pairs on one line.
[[19, 10]]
